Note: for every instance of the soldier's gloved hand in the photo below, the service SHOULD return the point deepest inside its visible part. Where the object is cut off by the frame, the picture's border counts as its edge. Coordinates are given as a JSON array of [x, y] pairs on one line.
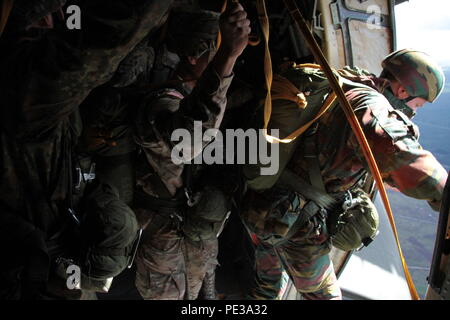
[[234, 28]]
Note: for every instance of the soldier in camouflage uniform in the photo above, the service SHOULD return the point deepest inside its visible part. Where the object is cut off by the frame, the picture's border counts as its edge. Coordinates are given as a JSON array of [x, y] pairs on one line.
[[107, 138], [46, 72], [384, 106], [179, 248]]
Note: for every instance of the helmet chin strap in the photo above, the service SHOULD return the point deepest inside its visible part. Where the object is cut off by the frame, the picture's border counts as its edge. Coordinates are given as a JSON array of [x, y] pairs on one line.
[[408, 99], [399, 104]]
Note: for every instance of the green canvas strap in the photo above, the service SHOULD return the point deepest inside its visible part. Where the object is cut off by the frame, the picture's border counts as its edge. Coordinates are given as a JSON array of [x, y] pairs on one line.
[[294, 182], [312, 159], [308, 211]]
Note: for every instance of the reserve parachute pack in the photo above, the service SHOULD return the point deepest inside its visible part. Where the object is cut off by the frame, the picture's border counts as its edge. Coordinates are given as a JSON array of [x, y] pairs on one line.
[[109, 231], [358, 223]]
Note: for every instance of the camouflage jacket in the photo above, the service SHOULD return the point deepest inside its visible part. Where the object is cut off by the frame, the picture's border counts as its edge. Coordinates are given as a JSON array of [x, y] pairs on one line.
[[43, 81], [163, 112], [394, 140]]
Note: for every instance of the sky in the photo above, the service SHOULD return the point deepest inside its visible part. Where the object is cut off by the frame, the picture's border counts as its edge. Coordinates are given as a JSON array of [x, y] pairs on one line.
[[425, 25]]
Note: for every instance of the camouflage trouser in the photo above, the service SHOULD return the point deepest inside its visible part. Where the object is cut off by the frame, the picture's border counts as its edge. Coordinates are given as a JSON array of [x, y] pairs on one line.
[[119, 174], [304, 257], [201, 262], [166, 261], [160, 264]]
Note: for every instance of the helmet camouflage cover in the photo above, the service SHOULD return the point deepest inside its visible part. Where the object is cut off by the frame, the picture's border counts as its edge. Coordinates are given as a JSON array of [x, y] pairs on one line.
[[26, 13], [417, 72], [192, 31]]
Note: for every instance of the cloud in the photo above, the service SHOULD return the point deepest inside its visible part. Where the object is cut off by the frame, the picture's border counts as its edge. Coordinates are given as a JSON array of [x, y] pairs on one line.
[[425, 25]]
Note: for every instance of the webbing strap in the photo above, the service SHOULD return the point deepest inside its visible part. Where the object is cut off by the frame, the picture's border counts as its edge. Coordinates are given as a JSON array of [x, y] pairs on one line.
[[312, 158], [356, 127], [268, 73], [5, 8], [219, 35], [296, 183], [300, 99], [145, 201], [283, 89], [308, 211], [278, 84], [253, 40]]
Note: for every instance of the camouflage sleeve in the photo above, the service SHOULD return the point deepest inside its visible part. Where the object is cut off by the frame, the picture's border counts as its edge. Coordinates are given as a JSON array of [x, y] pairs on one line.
[[403, 163], [160, 117], [43, 80], [205, 105]]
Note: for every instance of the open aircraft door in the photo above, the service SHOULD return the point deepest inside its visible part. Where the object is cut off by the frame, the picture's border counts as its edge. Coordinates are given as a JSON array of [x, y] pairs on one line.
[[439, 278]]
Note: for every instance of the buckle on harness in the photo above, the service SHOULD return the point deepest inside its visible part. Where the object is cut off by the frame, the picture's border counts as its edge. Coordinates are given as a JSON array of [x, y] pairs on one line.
[[135, 248], [73, 215], [84, 177], [349, 202], [192, 198], [176, 215], [223, 224]]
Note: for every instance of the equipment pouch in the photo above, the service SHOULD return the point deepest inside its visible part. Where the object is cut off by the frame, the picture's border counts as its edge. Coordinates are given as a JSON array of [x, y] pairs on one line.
[[206, 219], [358, 223]]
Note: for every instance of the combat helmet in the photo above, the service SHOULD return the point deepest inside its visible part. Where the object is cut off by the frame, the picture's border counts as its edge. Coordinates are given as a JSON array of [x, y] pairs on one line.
[[23, 15], [192, 31], [417, 72]]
